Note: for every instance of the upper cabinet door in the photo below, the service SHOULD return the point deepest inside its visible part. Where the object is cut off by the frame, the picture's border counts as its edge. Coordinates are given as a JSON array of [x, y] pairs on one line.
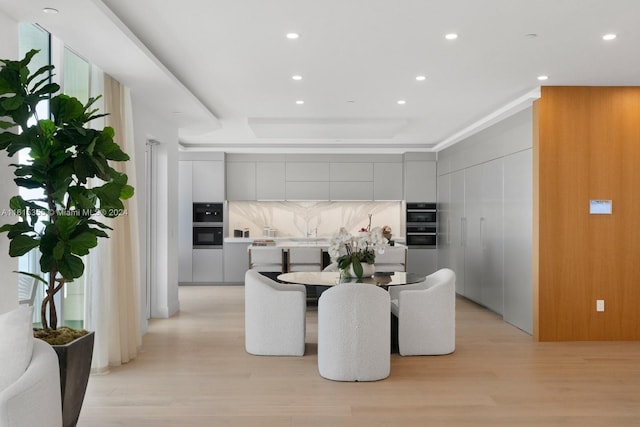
[[387, 181], [420, 181], [307, 171], [208, 181], [241, 181], [270, 180], [354, 172]]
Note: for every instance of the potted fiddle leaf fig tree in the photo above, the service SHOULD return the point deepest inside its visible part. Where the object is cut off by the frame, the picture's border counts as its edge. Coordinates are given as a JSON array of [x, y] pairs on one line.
[[69, 171]]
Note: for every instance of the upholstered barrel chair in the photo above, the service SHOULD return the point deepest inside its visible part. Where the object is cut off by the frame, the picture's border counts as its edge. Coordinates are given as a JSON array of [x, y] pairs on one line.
[[275, 316], [426, 313], [29, 375], [354, 333]]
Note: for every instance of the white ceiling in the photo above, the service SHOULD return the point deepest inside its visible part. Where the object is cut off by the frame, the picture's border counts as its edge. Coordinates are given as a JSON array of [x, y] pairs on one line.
[[222, 69]]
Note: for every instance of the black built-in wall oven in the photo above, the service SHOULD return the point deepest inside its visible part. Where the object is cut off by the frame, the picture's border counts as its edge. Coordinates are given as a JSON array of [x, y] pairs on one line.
[[208, 225], [422, 225]]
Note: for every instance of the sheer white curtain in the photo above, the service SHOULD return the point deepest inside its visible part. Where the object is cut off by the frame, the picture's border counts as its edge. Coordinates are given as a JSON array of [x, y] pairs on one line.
[[112, 278]]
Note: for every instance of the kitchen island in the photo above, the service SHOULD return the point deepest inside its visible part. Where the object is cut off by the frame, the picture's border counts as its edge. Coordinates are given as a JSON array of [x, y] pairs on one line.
[[236, 259]]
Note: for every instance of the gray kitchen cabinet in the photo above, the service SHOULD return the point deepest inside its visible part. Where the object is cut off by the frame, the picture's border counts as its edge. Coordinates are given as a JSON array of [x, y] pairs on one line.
[[185, 207], [420, 181], [351, 190], [472, 226], [518, 224], [241, 181], [444, 221], [422, 261], [307, 190], [307, 171], [484, 235], [208, 181], [491, 236], [207, 265], [353, 172], [236, 261], [457, 226], [387, 181], [270, 181]]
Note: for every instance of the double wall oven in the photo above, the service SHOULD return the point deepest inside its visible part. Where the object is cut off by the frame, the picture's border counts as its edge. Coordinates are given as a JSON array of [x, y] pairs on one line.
[[422, 225], [208, 225]]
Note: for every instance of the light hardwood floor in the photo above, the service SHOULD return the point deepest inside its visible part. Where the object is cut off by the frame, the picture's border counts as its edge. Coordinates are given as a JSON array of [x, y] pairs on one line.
[[193, 371]]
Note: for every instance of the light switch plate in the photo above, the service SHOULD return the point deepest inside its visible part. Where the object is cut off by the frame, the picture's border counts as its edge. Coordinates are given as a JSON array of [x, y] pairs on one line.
[[600, 305]]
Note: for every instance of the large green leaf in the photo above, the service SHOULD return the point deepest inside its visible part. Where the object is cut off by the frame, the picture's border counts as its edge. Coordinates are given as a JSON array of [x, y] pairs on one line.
[[71, 266], [65, 109], [6, 125], [126, 192], [81, 244], [58, 251], [19, 228], [13, 103], [22, 244], [66, 225]]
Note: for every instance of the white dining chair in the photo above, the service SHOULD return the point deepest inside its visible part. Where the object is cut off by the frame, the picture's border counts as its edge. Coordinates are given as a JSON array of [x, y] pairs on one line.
[[394, 258], [426, 314], [275, 316], [304, 259], [354, 329], [266, 259]]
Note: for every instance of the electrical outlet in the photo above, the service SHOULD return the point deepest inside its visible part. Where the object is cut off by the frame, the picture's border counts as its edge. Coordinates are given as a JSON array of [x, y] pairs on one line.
[[599, 305]]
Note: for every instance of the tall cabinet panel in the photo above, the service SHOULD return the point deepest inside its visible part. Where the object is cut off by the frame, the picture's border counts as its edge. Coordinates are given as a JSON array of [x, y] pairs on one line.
[[444, 221], [185, 206], [491, 236], [471, 233], [457, 230], [518, 210]]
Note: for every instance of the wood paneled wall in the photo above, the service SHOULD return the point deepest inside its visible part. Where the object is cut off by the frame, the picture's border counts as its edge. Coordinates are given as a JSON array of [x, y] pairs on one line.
[[587, 146]]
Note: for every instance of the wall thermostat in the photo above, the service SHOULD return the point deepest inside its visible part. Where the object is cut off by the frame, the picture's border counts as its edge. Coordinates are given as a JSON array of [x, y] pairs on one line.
[[600, 207]]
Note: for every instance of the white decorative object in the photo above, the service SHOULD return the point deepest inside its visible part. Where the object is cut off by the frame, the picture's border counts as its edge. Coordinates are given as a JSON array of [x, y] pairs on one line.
[[353, 253]]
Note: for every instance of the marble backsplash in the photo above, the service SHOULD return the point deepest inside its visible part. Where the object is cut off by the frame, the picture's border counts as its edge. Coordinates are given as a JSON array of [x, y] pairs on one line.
[[301, 219]]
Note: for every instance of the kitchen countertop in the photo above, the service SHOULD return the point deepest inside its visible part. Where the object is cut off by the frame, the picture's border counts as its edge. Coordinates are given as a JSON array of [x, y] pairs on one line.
[[294, 242]]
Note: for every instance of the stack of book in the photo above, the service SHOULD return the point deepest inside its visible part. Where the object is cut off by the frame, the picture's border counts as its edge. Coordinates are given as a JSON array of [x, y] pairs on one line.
[[264, 242]]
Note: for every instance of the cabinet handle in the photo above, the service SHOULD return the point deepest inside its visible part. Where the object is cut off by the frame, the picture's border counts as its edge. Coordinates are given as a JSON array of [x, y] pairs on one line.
[[448, 231], [482, 232]]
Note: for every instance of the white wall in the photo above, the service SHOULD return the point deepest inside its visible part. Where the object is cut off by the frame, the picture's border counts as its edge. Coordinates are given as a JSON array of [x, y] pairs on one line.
[[164, 286], [9, 282]]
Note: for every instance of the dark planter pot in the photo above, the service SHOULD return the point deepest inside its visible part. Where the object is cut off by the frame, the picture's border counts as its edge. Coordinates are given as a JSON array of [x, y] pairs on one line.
[[75, 366]]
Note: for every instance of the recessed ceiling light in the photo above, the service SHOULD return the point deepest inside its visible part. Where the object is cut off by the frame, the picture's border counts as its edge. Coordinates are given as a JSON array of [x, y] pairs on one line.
[[297, 77], [451, 36], [609, 37], [299, 102], [50, 10], [543, 77], [421, 78], [401, 102], [293, 36]]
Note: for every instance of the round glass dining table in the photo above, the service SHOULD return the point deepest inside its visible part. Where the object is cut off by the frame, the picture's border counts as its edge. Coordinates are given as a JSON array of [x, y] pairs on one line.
[[332, 278]]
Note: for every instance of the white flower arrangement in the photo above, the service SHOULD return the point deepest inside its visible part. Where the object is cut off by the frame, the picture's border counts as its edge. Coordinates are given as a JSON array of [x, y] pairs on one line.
[[347, 249]]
